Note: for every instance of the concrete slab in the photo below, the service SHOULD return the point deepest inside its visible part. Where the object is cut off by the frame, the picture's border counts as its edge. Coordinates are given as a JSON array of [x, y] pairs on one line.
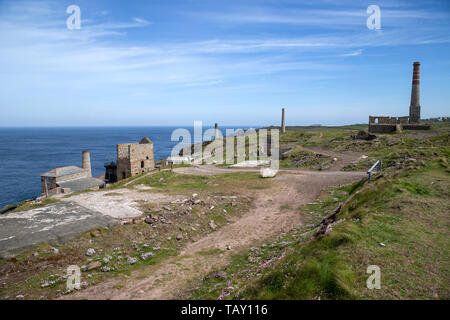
[[119, 203], [54, 223]]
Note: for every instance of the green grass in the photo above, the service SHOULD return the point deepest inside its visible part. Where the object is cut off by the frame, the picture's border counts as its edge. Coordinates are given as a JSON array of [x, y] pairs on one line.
[[28, 206], [414, 263], [405, 208], [406, 213], [172, 182], [392, 148], [398, 222]]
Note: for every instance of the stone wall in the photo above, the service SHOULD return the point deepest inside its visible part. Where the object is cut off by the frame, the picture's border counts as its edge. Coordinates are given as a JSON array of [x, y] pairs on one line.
[[141, 159], [388, 120], [403, 120], [388, 128], [123, 161], [416, 127], [134, 158], [382, 128]]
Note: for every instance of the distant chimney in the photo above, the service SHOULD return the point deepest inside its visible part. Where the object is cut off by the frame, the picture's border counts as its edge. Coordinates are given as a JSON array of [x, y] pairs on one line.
[[216, 131], [414, 108], [86, 161], [283, 127]]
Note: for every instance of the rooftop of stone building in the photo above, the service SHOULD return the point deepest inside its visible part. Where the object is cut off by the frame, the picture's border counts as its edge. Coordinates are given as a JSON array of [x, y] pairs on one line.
[[63, 171], [144, 140], [81, 184]]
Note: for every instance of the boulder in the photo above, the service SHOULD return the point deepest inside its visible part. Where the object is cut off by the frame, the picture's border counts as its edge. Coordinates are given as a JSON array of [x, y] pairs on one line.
[[90, 252], [267, 173], [363, 135], [126, 221], [94, 265], [148, 220], [212, 225]]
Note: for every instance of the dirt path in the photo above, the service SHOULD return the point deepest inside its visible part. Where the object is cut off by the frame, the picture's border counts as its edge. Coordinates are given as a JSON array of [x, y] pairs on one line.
[[343, 158], [212, 169], [169, 278]]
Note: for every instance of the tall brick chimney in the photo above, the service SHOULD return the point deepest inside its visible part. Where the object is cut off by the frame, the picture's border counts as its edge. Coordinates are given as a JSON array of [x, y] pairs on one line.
[[414, 108], [216, 131], [283, 127]]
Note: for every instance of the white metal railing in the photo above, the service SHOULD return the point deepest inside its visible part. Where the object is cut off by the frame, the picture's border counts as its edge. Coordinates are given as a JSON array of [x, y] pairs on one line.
[[377, 165]]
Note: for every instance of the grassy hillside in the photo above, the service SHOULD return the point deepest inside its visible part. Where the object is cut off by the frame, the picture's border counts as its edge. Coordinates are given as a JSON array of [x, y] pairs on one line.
[[399, 222]]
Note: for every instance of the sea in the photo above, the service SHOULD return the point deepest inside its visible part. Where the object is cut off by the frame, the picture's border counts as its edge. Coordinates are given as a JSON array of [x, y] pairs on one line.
[[26, 153]]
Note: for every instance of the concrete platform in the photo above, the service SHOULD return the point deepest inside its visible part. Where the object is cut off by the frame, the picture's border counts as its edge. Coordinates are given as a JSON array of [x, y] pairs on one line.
[[54, 223]]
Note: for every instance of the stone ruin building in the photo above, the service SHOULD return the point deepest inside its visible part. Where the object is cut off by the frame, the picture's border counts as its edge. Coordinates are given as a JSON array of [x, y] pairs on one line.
[[70, 178], [385, 124], [134, 158]]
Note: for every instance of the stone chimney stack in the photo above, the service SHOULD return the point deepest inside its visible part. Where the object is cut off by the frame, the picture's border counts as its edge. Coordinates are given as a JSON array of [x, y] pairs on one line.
[[86, 161], [414, 108], [216, 131], [283, 127]]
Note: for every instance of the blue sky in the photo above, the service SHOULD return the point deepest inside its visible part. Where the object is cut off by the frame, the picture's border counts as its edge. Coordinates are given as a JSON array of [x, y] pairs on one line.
[[232, 62]]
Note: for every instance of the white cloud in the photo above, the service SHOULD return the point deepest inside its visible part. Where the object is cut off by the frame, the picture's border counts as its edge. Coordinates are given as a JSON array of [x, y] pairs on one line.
[[98, 64], [336, 18], [353, 53]]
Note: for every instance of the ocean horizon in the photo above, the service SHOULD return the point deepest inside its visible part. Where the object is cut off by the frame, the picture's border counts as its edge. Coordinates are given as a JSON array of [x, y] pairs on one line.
[[27, 152]]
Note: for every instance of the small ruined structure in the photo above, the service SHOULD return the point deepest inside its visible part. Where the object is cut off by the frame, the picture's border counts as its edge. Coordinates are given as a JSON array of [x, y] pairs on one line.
[[383, 124], [134, 158], [283, 124], [110, 171], [70, 178]]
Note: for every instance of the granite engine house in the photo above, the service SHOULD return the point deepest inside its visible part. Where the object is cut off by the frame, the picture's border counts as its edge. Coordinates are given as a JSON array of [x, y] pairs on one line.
[[134, 158]]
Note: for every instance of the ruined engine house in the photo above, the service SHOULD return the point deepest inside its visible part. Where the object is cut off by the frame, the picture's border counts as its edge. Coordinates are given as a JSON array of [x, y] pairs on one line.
[[386, 124], [134, 158]]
